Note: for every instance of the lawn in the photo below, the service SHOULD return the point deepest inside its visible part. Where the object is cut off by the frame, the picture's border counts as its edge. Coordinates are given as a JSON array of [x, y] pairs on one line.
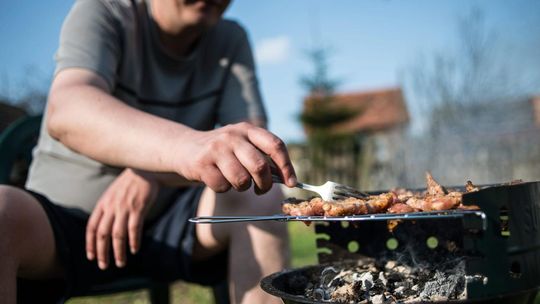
[[303, 253]]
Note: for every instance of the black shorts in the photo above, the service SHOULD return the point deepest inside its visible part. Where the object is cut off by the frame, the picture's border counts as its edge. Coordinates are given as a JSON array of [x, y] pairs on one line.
[[165, 253]]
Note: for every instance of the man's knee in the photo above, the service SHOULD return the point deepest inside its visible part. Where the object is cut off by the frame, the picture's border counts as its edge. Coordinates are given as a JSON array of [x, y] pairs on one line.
[[24, 228], [17, 212], [249, 203], [8, 212], [9, 218], [239, 203]]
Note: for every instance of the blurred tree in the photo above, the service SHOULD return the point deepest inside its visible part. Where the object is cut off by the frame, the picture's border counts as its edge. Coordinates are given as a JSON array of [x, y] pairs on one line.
[[476, 71], [30, 93], [320, 114], [469, 94], [319, 82]]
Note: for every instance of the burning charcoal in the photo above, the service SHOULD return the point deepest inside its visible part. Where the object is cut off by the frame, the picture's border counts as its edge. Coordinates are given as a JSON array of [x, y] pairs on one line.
[[403, 270], [378, 299], [390, 299], [329, 270], [320, 295], [443, 287], [357, 276], [345, 294], [391, 282], [399, 291], [345, 277], [382, 278], [424, 273], [390, 265], [327, 275], [367, 280], [394, 277], [398, 284]]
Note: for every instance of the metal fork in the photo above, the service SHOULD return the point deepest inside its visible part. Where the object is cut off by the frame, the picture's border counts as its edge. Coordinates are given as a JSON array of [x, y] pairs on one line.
[[329, 191]]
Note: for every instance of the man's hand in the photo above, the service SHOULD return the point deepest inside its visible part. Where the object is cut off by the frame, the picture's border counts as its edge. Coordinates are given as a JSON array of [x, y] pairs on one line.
[[233, 156], [120, 214]]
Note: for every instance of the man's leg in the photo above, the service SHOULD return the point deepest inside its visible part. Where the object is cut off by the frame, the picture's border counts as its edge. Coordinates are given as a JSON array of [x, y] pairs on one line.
[[255, 249], [27, 247]]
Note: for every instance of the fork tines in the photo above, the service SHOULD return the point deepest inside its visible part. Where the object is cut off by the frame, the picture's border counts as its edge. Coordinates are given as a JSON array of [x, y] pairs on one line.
[[347, 191]]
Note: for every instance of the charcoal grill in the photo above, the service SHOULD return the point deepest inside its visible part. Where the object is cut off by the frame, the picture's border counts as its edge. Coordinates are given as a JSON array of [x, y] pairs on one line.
[[501, 244]]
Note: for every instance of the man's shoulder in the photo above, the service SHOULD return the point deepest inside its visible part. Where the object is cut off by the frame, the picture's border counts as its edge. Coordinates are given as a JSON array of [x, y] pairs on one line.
[[115, 8], [118, 4]]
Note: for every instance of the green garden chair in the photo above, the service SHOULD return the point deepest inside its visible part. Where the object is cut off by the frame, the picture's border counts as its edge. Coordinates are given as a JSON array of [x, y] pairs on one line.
[[16, 144]]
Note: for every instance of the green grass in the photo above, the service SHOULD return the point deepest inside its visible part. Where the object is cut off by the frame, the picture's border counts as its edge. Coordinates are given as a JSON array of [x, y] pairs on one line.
[[303, 247], [134, 297]]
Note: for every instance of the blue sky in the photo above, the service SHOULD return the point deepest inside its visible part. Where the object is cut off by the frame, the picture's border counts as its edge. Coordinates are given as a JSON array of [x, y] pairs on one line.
[[373, 42]]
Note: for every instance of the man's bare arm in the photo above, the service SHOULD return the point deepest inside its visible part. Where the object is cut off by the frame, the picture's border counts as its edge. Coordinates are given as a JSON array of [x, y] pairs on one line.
[[86, 118]]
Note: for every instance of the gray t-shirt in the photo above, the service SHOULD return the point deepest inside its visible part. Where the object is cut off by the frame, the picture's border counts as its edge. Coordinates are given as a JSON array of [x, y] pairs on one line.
[[118, 39]]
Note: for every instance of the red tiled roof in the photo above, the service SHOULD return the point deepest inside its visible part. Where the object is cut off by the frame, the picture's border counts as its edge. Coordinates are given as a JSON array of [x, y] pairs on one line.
[[536, 110], [377, 110]]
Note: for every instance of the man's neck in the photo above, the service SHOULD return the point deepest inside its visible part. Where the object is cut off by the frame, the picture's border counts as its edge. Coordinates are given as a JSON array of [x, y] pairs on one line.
[[177, 39]]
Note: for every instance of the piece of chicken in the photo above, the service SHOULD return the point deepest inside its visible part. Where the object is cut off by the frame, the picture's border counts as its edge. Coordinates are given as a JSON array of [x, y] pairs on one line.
[[350, 206], [401, 208], [434, 188], [303, 208]]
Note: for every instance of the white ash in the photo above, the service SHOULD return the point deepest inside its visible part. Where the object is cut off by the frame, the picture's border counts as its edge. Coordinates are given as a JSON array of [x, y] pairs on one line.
[[391, 282], [378, 299], [383, 278], [367, 281], [443, 286]]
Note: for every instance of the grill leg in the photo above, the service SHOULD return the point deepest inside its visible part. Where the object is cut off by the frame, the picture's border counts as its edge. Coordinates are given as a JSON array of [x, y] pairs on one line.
[[159, 293], [221, 292]]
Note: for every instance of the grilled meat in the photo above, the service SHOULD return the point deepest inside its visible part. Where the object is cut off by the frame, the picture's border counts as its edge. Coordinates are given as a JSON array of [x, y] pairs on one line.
[[436, 198]]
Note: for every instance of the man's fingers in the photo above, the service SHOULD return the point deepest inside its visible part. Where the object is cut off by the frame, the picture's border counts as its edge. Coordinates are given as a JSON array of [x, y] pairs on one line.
[[276, 149], [214, 179], [103, 240], [91, 230], [119, 239], [256, 164], [135, 225], [233, 170]]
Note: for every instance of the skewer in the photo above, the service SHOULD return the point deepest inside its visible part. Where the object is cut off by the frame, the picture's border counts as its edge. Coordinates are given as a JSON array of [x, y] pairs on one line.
[[349, 218]]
